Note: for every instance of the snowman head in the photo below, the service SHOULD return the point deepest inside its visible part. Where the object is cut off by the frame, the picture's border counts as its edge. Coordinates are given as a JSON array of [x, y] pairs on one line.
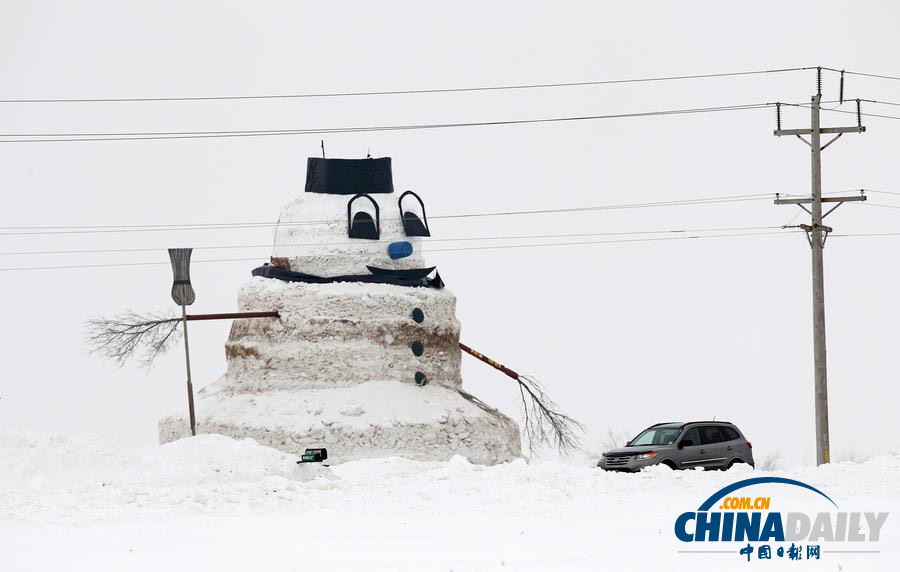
[[349, 222]]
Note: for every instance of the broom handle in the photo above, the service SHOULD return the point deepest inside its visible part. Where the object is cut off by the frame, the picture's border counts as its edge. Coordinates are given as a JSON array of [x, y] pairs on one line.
[[489, 361], [232, 316]]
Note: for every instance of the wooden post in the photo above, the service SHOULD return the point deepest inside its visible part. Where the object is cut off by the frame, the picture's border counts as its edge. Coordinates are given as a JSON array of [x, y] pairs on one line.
[[818, 292], [816, 234], [187, 359]]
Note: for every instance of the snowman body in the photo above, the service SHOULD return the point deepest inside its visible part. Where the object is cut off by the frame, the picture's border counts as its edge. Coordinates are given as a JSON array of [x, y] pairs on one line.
[[365, 358]]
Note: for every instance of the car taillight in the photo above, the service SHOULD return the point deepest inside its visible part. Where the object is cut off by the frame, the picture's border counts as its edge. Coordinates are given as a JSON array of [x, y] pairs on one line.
[[749, 444]]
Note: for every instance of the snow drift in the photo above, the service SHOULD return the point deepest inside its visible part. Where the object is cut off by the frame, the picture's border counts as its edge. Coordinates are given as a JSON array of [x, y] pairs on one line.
[[210, 502]]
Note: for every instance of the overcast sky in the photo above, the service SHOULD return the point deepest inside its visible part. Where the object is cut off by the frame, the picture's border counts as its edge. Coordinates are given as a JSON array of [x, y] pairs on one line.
[[623, 335]]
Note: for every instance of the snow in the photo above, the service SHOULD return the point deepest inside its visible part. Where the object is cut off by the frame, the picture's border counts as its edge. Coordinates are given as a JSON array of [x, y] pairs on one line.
[[76, 481], [213, 503], [364, 420], [336, 369], [332, 335], [312, 234]]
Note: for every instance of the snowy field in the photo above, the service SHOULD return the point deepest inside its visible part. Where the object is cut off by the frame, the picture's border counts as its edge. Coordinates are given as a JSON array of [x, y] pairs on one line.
[[211, 503]]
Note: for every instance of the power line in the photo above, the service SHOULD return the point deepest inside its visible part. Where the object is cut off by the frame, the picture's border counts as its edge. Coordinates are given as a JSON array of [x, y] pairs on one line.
[[655, 239], [218, 134], [881, 102], [881, 76], [384, 242], [861, 191], [836, 110], [866, 234], [699, 201], [880, 115], [157, 135], [881, 192], [407, 91], [49, 230], [458, 249], [126, 264], [882, 206], [870, 203]]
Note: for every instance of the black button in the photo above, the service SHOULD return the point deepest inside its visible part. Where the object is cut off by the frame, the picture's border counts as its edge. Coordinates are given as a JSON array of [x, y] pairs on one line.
[[421, 379], [418, 315], [418, 348]]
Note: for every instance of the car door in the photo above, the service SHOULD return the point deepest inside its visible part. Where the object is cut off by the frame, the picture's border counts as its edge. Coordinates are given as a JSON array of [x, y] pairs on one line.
[[691, 451], [713, 446], [733, 445]]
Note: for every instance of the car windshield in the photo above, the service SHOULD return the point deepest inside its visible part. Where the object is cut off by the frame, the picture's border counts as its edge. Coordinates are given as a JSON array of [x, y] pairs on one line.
[[661, 436]]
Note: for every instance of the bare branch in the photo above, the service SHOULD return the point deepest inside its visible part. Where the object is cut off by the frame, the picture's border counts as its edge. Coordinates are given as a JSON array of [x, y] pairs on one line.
[[129, 334], [545, 424], [483, 406]]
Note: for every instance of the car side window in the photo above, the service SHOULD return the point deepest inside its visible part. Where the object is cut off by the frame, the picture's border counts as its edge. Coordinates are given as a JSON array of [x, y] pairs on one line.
[[709, 435], [691, 437], [728, 434]]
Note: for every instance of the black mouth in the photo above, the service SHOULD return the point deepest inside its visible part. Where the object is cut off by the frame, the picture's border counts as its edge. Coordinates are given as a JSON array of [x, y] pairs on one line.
[[412, 277], [409, 273]]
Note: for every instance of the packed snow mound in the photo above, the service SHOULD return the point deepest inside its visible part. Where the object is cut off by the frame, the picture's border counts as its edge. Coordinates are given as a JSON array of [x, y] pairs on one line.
[[312, 234], [334, 335], [348, 346], [206, 472], [213, 474], [373, 419], [83, 505], [339, 369]]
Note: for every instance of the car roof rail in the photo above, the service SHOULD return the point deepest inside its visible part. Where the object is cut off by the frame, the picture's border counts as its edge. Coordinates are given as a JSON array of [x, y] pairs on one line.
[[713, 421]]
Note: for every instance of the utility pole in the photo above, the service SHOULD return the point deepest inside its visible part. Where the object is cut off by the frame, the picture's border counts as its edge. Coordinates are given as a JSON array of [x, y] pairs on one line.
[[816, 234]]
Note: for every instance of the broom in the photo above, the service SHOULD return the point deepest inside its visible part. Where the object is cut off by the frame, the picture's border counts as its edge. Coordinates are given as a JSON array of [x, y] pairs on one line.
[[122, 337], [545, 424]]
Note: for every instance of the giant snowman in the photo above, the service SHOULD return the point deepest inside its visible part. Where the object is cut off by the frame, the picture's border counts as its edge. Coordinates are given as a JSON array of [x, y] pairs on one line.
[[364, 358]]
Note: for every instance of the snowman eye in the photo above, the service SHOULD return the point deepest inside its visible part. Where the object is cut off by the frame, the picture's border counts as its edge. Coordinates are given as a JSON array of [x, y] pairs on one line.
[[361, 224], [412, 224]]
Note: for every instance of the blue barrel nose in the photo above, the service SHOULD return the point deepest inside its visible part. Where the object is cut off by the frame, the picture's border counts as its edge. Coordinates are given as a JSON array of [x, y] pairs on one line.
[[399, 249]]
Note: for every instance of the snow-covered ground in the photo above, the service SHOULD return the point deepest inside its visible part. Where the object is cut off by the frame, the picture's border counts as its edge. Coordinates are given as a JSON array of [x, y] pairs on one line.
[[212, 503]]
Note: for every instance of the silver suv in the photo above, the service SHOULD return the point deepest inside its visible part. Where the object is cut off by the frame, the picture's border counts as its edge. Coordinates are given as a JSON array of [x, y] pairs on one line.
[[708, 444]]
